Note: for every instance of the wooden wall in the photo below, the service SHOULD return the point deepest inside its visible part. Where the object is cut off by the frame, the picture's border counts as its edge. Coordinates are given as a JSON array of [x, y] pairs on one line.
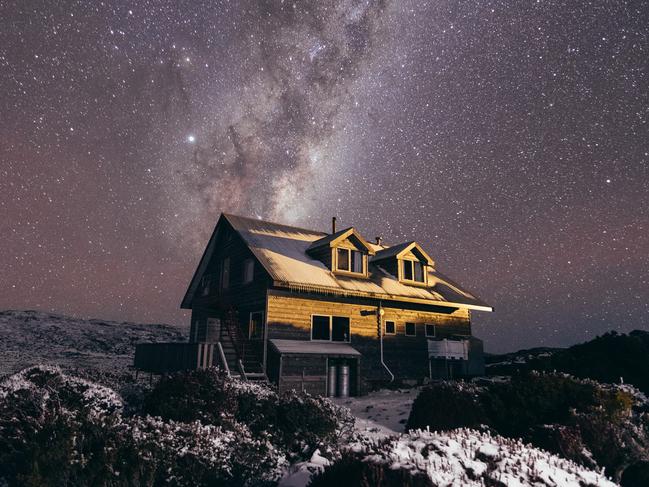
[[244, 297], [289, 317]]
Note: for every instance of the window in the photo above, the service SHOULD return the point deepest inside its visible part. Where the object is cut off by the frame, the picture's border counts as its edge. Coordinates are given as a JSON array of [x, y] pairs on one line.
[[430, 330], [413, 270], [256, 328], [349, 260], [206, 284], [225, 273], [330, 328], [248, 270], [411, 330], [320, 328], [390, 328], [339, 329]]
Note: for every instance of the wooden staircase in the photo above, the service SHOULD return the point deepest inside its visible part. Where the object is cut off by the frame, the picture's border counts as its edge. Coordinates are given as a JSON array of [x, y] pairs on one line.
[[243, 356]]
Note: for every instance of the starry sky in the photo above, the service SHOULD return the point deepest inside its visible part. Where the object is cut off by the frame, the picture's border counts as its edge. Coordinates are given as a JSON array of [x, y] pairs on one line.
[[510, 138]]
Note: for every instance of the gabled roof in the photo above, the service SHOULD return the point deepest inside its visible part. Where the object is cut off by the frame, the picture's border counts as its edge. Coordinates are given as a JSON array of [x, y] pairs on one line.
[[400, 250], [335, 238], [282, 251]]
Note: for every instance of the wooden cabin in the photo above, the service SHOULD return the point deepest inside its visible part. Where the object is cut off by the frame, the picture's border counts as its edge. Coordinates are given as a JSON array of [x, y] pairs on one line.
[[330, 313]]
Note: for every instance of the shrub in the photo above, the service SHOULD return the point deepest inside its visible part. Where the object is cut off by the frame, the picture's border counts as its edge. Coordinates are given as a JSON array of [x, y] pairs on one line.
[[297, 421], [590, 423], [58, 430], [458, 457], [307, 422]]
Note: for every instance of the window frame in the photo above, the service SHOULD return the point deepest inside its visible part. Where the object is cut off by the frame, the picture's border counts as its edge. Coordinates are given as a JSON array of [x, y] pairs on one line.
[[248, 265], [349, 270], [411, 263], [434, 335], [331, 317], [385, 327], [405, 329], [207, 284]]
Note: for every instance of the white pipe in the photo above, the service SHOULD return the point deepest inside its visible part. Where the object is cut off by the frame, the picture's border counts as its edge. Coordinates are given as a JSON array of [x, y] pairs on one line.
[[379, 315]]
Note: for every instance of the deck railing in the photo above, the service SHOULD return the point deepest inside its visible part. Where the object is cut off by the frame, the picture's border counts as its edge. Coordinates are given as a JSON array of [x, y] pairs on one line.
[[162, 358]]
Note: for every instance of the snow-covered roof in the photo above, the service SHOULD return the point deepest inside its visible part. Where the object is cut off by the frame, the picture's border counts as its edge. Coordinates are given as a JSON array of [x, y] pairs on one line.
[[332, 239], [313, 347], [282, 251], [400, 249]]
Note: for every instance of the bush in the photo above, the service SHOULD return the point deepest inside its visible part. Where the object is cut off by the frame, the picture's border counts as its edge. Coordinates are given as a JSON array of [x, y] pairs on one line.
[[58, 430], [590, 423], [297, 421], [458, 457], [306, 423], [353, 470]]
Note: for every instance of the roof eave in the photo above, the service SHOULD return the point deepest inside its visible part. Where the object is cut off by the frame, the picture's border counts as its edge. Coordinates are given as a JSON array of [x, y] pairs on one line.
[[390, 297]]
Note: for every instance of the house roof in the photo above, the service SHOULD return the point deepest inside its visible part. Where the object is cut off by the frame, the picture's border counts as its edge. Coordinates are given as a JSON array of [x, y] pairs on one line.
[[400, 249], [332, 239], [308, 347], [282, 251]]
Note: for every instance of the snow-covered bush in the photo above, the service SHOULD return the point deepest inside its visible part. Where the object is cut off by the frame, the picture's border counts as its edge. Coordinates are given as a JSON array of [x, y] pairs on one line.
[[458, 457], [296, 421], [306, 423], [594, 424], [152, 451], [53, 427], [60, 430]]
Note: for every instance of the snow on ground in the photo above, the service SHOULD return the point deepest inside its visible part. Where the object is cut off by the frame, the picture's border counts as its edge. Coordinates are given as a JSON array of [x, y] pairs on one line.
[[381, 413], [35, 337]]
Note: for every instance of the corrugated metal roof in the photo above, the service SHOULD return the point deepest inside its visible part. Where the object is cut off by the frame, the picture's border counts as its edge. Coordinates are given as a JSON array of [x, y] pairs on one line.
[[308, 347], [282, 250]]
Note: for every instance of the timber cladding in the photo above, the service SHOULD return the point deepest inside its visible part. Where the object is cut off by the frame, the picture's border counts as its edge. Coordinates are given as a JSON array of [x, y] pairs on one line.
[[289, 317]]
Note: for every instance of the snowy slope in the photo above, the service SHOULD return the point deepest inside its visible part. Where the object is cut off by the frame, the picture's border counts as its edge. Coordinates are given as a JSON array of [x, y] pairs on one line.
[[34, 337]]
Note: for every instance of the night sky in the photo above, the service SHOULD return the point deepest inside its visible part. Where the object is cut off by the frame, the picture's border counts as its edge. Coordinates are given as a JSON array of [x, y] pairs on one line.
[[510, 138]]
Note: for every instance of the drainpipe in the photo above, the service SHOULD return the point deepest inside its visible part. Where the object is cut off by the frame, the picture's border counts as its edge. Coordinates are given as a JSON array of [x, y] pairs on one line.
[[379, 316]]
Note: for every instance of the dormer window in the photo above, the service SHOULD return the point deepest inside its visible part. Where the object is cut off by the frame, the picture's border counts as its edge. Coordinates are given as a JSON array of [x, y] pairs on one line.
[[349, 260], [413, 270]]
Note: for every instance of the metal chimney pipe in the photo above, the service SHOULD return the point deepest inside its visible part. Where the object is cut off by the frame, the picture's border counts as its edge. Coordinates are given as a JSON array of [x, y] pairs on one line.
[[378, 240], [333, 224]]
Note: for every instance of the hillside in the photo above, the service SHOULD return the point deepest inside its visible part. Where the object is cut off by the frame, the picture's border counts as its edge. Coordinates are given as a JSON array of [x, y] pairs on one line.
[[34, 337], [610, 358]]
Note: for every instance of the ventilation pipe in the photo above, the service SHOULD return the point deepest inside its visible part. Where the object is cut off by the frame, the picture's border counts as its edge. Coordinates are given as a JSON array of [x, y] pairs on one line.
[[333, 224], [378, 240], [379, 317]]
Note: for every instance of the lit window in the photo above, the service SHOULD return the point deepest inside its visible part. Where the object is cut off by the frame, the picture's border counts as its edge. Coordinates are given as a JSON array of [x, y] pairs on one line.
[[248, 270], [430, 330], [413, 270], [330, 328], [349, 260], [411, 330], [390, 328]]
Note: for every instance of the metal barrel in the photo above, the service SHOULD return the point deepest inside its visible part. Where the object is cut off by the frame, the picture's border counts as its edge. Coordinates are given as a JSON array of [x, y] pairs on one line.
[[331, 381], [343, 380]]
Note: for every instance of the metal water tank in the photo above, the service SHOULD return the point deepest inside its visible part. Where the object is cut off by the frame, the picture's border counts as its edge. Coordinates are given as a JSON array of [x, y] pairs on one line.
[[331, 381], [343, 380]]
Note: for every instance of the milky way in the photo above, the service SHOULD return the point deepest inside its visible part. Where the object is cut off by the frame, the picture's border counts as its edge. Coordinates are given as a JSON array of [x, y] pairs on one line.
[[510, 139]]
